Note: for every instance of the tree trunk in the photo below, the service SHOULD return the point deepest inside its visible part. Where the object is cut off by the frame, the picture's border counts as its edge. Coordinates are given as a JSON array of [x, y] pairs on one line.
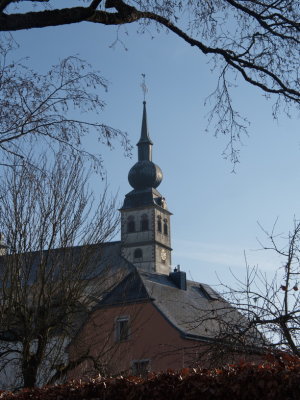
[[29, 371]]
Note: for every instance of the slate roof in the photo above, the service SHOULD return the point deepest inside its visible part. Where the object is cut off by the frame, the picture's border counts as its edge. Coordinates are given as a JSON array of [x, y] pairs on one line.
[[198, 313], [101, 257], [143, 197]]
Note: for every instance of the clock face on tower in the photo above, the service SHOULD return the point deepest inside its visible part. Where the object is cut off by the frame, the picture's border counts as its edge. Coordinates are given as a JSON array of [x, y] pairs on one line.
[[163, 255]]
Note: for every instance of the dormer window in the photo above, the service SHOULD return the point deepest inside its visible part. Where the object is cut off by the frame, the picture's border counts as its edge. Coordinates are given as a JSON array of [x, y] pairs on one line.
[[159, 224], [138, 253], [144, 223], [130, 225], [165, 227]]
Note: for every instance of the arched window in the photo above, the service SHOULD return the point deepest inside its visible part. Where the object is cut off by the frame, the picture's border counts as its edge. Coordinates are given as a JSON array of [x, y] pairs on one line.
[[144, 223], [138, 253], [165, 226], [130, 224], [159, 225]]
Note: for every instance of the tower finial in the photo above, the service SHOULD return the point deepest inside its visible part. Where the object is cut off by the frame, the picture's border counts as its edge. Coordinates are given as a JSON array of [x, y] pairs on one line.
[[145, 143], [143, 86]]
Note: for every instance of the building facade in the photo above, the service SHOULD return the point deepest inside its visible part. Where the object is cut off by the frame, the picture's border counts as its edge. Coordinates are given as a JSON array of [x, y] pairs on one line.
[[145, 219], [154, 319]]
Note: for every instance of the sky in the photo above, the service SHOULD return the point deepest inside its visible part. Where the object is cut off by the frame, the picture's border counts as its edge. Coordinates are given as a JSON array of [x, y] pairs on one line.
[[216, 212]]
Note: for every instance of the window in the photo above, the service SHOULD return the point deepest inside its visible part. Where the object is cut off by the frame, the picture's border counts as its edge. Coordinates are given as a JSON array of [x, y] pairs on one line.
[[140, 367], [130, 224], [159, 224], [144, 223], [122, 329], [138, 253], [165, 226]]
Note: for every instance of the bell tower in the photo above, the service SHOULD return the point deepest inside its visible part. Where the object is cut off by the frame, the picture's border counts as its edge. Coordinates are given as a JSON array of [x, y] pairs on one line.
[[145, 219]]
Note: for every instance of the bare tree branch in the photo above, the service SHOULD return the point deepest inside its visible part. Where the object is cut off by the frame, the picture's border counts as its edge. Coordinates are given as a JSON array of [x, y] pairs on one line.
[[54, 233], [255, 40], [273, 305], [36, 108]]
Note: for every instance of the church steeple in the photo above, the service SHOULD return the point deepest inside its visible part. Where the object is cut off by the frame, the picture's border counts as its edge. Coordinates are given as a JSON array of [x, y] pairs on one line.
[[145, 219], [145, 143]]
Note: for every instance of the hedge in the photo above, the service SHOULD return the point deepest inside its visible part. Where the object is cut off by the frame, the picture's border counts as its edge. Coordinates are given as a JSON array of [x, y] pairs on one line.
[[279, 379]]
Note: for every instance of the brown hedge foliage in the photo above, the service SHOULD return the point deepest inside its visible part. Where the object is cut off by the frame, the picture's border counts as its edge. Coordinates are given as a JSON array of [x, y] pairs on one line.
[[278, 379]]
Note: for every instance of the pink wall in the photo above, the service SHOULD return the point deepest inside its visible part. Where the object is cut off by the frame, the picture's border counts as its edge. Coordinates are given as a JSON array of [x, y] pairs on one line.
[[151, 337]]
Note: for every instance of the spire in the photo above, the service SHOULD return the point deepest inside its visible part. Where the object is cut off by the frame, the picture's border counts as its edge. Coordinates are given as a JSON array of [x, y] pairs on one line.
[[144, 174], [144, 144]]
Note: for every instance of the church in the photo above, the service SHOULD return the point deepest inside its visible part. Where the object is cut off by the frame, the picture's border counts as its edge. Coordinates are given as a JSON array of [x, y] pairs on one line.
[[155, 319]]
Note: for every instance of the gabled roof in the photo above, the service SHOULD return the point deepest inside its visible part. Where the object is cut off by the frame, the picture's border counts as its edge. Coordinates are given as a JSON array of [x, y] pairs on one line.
[[198, 313], [130, 290]]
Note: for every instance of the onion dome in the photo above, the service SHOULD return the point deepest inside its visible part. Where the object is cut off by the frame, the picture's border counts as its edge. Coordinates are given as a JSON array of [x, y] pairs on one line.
[[145, 174]]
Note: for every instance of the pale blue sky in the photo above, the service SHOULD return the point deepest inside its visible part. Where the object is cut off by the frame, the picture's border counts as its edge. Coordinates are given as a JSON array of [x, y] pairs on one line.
[[215, 211]]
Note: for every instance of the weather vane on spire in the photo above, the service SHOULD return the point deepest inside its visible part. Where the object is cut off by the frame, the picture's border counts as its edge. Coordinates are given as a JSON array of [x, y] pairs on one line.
[[143, 86]]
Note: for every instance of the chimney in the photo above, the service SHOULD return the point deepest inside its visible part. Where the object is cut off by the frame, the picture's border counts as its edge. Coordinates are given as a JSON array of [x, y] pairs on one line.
[[179, 278]]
